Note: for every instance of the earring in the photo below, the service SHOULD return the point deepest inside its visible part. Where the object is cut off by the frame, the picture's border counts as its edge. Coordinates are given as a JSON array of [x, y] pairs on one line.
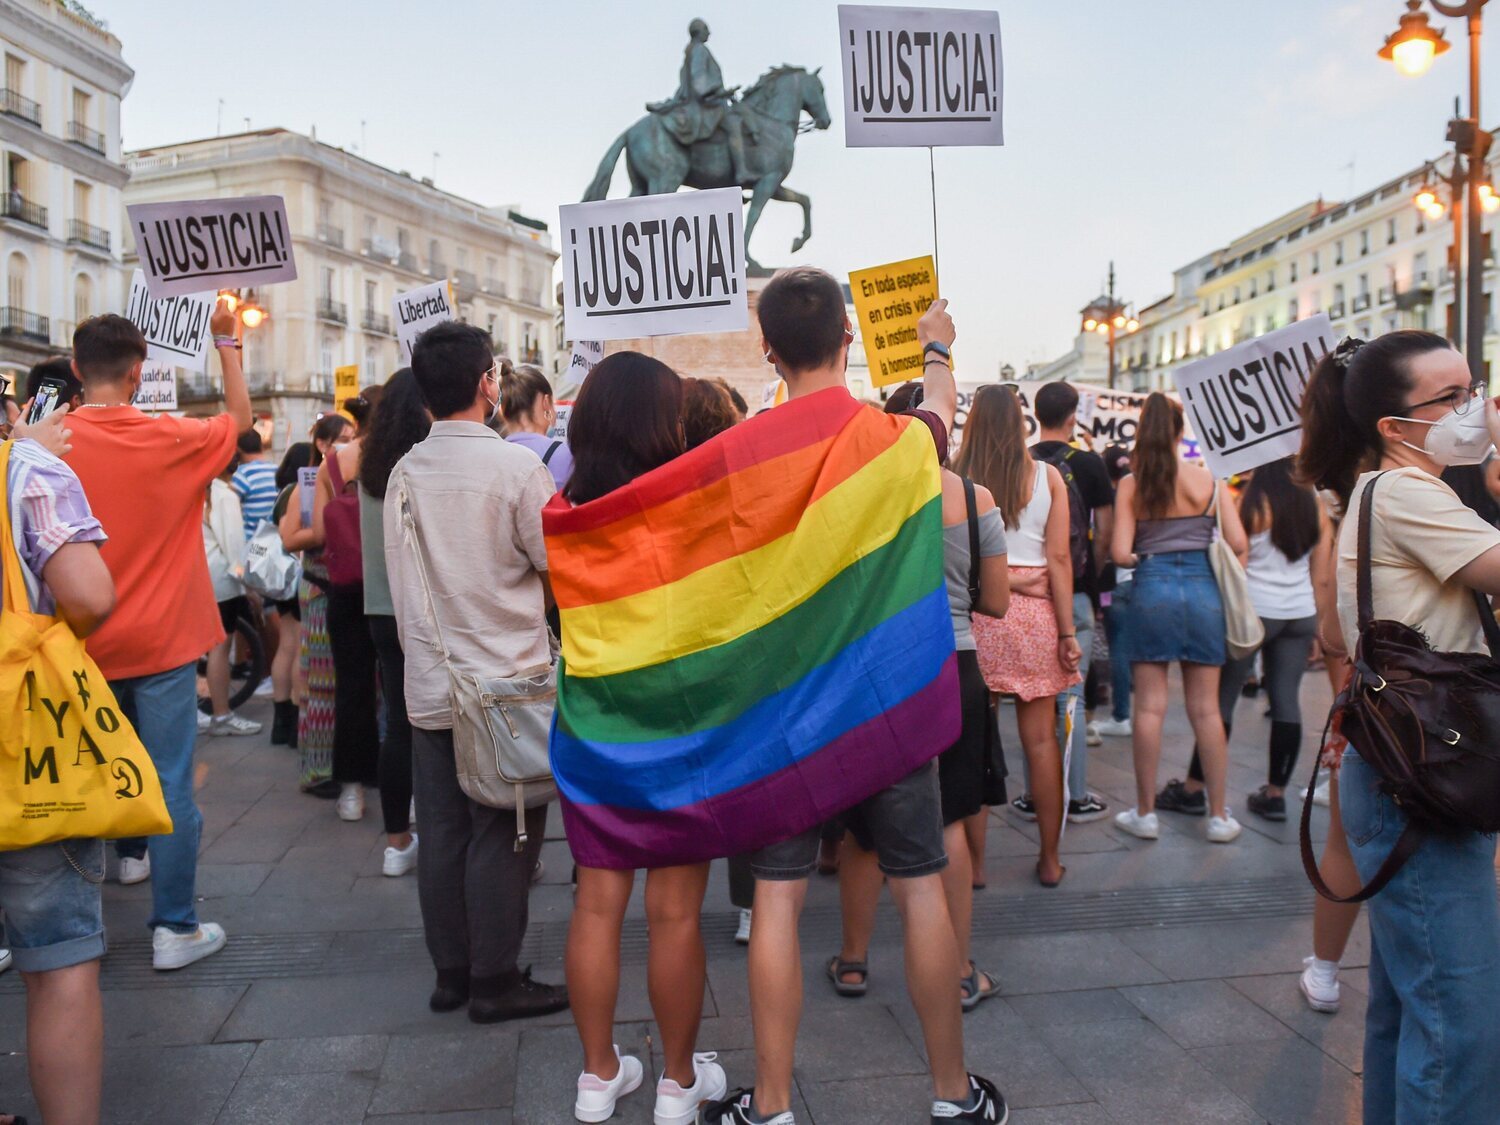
[[768, 358]]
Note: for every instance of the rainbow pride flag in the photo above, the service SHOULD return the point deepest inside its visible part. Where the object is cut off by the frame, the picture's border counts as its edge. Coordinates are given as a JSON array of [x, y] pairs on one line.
[[755, 636]]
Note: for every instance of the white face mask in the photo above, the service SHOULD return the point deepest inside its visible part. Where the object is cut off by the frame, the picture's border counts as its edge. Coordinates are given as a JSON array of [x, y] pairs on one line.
[[1457, 439]]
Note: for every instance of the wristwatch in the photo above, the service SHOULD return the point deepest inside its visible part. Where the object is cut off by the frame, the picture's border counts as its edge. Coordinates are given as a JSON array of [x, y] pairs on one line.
[[940, 350]]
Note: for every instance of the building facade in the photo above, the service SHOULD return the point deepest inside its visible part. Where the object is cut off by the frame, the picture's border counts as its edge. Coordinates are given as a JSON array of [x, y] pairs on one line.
[[61, 176], [361, 234]]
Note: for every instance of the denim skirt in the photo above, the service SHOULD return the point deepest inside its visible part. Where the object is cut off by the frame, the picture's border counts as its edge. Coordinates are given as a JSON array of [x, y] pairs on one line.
[[1176, 613]]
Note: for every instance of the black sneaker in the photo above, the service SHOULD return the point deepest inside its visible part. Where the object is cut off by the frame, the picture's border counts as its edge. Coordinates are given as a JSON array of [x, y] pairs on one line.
[[1089, 809], [524, 999], [1264, 805], [988, 1104], [735, 1110], [1023, 807], [1175, 797]]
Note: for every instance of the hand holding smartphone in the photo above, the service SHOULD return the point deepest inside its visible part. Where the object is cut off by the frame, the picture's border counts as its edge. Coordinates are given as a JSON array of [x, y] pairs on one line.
[[48, 395]]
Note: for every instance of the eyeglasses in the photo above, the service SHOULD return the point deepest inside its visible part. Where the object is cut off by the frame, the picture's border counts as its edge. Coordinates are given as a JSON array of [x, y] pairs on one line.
[[1459, 400]]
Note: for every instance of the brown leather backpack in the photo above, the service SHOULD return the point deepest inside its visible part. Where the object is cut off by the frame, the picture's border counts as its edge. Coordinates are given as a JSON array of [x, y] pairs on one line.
[[1427, 722]]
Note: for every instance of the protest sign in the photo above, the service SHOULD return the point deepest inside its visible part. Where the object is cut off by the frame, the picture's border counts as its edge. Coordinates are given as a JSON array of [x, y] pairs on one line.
[[345, 386], [772, 394], [1245, 403], [920, 76], [1112, 416], [888, 302], [586, 357], [176, 328], [307, 485], [417, 310], [654, 265], [198, 244], [158, 389], [559, 427]]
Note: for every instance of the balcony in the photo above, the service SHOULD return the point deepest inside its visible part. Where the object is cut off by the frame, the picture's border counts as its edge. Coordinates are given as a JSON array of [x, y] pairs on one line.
[[14, 205], [1360, 303], [18, 324], [1386, 295], [1336, 310], [1416, 298], [333, 311], [376, 322], [88, 235], [531, 355], [405, 260], [435, 267], [14, 104], [332, 235], [465, 281], [381, 248], [493, 286], [81, 134]]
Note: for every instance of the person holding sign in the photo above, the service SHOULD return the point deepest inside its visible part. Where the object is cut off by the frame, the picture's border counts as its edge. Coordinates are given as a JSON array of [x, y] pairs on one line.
[[1165, 515]]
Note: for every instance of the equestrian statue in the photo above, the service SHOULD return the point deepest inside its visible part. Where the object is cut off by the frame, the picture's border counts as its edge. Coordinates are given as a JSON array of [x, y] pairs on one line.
[[705, 136]]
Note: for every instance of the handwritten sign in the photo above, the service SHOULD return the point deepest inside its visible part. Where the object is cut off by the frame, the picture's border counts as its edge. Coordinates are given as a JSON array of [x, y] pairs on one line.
[[176, 328], [1245, 403], [654, 265], [417, 310], [345, 386], [586, 357], [307, 486], [888, 302], [193, 245], [158, 389], [920, 76]]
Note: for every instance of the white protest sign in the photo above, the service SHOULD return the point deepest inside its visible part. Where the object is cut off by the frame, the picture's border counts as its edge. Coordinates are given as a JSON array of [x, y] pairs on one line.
[[176, 328], [198, 244], [1245, 403], [654, 265], [158, 389], [559, 428], [307, 492], [920, 76], [1113, 416], [586, 357], [417, 310]]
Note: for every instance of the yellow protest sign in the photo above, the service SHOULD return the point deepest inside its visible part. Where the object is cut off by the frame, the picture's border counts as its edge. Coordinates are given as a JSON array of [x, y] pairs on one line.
[[345, 387], [888, 302]]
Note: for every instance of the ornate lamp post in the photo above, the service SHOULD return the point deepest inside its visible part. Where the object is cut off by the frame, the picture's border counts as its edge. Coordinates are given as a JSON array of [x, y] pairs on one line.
[[1108, 317], [1412, 47]]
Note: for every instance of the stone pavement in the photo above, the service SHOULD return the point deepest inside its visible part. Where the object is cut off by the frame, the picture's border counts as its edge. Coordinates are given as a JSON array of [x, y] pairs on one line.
[[1158, 984]]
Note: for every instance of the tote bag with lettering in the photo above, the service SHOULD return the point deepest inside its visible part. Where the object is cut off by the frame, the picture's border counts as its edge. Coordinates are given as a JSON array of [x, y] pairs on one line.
[[71, 766]]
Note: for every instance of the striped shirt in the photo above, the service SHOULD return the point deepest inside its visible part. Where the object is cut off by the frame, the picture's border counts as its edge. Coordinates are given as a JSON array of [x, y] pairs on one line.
[[47, 511], [255, 483]]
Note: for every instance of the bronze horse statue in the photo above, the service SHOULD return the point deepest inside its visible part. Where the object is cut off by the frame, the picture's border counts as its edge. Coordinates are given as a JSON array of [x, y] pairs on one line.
[[771, 111]]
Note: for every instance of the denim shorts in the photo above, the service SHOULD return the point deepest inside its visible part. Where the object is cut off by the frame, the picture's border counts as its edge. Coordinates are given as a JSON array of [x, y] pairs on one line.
[[902, 825], [49, 895], [1176, 614]]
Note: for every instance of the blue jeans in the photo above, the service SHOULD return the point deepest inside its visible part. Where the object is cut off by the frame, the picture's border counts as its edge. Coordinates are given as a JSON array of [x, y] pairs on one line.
[[50, 897], [1432, 1041], [163, 708], [1078, 767], [1116, 624]]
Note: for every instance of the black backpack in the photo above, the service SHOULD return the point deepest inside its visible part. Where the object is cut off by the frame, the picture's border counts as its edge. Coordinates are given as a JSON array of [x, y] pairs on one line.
[[1080, 537]]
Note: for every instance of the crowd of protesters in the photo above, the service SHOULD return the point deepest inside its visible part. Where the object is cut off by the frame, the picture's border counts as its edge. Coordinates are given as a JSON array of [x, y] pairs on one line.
[[1069, 575]]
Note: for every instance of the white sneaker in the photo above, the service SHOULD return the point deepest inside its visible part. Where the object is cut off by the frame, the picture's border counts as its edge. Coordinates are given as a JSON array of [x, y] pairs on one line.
[[205, 723], [266, 689], [596, 1097], [1222, 829], [1143, 827], [742, 935], [233, 724], [1320, 984], [176, 951], [1114, 728], [411, 812], [1091, 735], [135, 870], [676, 1106], [398, 861], [5, 959], [351, 804], [1320, 795]]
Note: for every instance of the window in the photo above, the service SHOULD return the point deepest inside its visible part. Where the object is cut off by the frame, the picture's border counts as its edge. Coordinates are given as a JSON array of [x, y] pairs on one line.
[[1338, 252], [369, 226], [1338, 294], [1270, 280], [15, 74], [372, 291], [83, 298], [1291, 310], [461, 255], [325, 282], [325, 356], [1390, 231], [1364, 242], [491, 267], [82, 106], [1316, 256], [83, 198], [403, 239], [491, 325], [1292, 271], [17, 175], [1252, 287], [1419, 268], [16, 274]]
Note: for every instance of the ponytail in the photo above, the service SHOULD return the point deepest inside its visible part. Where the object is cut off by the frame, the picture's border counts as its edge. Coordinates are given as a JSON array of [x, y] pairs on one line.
[[520, 387], [1154, 461]]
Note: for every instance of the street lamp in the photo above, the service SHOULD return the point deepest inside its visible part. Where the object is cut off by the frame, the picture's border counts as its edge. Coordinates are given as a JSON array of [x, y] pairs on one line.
[[1412, 47], [1108, 317]]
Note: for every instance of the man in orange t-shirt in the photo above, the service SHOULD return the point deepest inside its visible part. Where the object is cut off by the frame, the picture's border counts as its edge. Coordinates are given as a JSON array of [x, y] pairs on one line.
[[145, 477]]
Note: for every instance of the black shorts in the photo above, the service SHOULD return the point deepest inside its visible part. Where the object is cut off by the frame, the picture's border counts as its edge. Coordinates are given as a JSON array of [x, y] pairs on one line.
[[231, 610], [961, 767], [289, 607]]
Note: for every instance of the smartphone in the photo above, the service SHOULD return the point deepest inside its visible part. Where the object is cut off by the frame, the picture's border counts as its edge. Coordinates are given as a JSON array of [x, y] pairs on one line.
[[48, 395]]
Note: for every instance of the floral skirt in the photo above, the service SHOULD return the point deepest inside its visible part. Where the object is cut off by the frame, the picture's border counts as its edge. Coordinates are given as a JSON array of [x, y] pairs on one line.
[[1018, 652], [315, 671]]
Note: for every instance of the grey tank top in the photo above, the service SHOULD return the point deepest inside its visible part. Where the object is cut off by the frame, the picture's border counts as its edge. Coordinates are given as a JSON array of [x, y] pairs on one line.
[[1176, 533]]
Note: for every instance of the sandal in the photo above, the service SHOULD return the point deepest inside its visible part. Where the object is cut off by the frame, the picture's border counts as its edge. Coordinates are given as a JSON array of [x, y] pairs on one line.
[[972, 990], [837, 967]]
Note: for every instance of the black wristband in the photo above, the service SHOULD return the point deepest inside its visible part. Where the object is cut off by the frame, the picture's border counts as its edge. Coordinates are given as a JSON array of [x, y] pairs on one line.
[[936, 348]]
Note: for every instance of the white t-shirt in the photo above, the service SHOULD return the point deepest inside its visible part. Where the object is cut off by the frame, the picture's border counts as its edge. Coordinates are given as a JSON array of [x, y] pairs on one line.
[[1420, 536]]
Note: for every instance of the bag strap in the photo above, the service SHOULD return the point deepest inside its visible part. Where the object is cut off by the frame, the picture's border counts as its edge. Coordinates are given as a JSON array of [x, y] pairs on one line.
[[551, 449], [335, 474], [1412, 838], [971, 508], [414, 533], [1364, 584], [16, 600]]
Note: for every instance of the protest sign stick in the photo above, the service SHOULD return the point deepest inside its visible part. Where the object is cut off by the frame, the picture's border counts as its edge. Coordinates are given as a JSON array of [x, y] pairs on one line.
[[1067, 763], [932, 179]]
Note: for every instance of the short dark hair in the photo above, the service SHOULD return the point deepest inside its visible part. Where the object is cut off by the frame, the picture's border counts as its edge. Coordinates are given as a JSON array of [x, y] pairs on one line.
[[908, 396], [449, 360], [57, 367], [249, 442], [107, 346], [1054, 403], [802, 318]]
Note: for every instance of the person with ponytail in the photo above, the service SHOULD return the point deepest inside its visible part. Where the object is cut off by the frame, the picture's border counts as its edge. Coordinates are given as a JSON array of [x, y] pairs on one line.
[[1166, 513], [528, 411], [1401, 409]]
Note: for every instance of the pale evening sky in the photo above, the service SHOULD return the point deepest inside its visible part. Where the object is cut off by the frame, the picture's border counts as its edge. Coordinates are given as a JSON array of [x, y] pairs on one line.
[[1147, 131]]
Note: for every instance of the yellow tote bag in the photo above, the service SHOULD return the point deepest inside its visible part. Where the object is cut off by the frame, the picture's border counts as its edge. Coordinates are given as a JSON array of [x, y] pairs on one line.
[[71, 766]]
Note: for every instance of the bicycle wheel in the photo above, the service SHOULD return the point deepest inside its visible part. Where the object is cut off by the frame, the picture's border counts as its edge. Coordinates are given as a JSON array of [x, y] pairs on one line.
[[247, 663]]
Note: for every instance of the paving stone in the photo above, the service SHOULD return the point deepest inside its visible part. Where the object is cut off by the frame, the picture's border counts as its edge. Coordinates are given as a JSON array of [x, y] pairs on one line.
[[1092, 1005], [1288, 1082], [463, 1117], [550, 1060], [895, 1098], [1205, 1013], [228, 880], [246, 843], [1079, 1113], [308, 881], [471, 1069], [1233, 949], [150, 1085], [387, 1003], [1052, 962], [846, 1044], [156, 1018], [1340, 1035], [295, 1099], [347, 1053]]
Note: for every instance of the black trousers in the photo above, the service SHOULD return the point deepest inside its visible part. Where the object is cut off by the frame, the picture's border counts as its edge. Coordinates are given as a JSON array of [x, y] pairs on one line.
[[356, 731], [395, 752]]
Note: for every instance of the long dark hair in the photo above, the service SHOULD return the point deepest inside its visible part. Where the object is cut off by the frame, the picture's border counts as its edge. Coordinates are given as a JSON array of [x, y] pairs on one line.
[[400, 421], [1351, 390], [1154, 461], [298, 455], [327, 428], [1292, 507], [626, 421], [993, 452]]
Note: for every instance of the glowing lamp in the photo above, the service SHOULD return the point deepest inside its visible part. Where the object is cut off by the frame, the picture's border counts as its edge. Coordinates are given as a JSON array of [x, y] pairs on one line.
[[252, 316], [1090, 324], [1414, 44], [1103, 328], [1132, 324], [1426, 197]]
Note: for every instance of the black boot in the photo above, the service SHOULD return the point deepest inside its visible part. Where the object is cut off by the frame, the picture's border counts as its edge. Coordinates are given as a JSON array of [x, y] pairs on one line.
[[514, 996], [452, 990], [284, 723]]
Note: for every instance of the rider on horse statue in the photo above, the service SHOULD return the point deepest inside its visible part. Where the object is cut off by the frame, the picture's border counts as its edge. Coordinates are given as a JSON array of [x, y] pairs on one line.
[[702, 104]]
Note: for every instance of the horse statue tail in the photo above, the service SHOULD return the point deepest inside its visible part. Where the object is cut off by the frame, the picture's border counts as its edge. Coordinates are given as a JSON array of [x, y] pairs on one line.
[[599, 186]]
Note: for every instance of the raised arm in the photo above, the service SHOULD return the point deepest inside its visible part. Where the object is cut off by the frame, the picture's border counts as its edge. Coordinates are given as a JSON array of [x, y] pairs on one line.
[[236, 393], [939, 391]]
